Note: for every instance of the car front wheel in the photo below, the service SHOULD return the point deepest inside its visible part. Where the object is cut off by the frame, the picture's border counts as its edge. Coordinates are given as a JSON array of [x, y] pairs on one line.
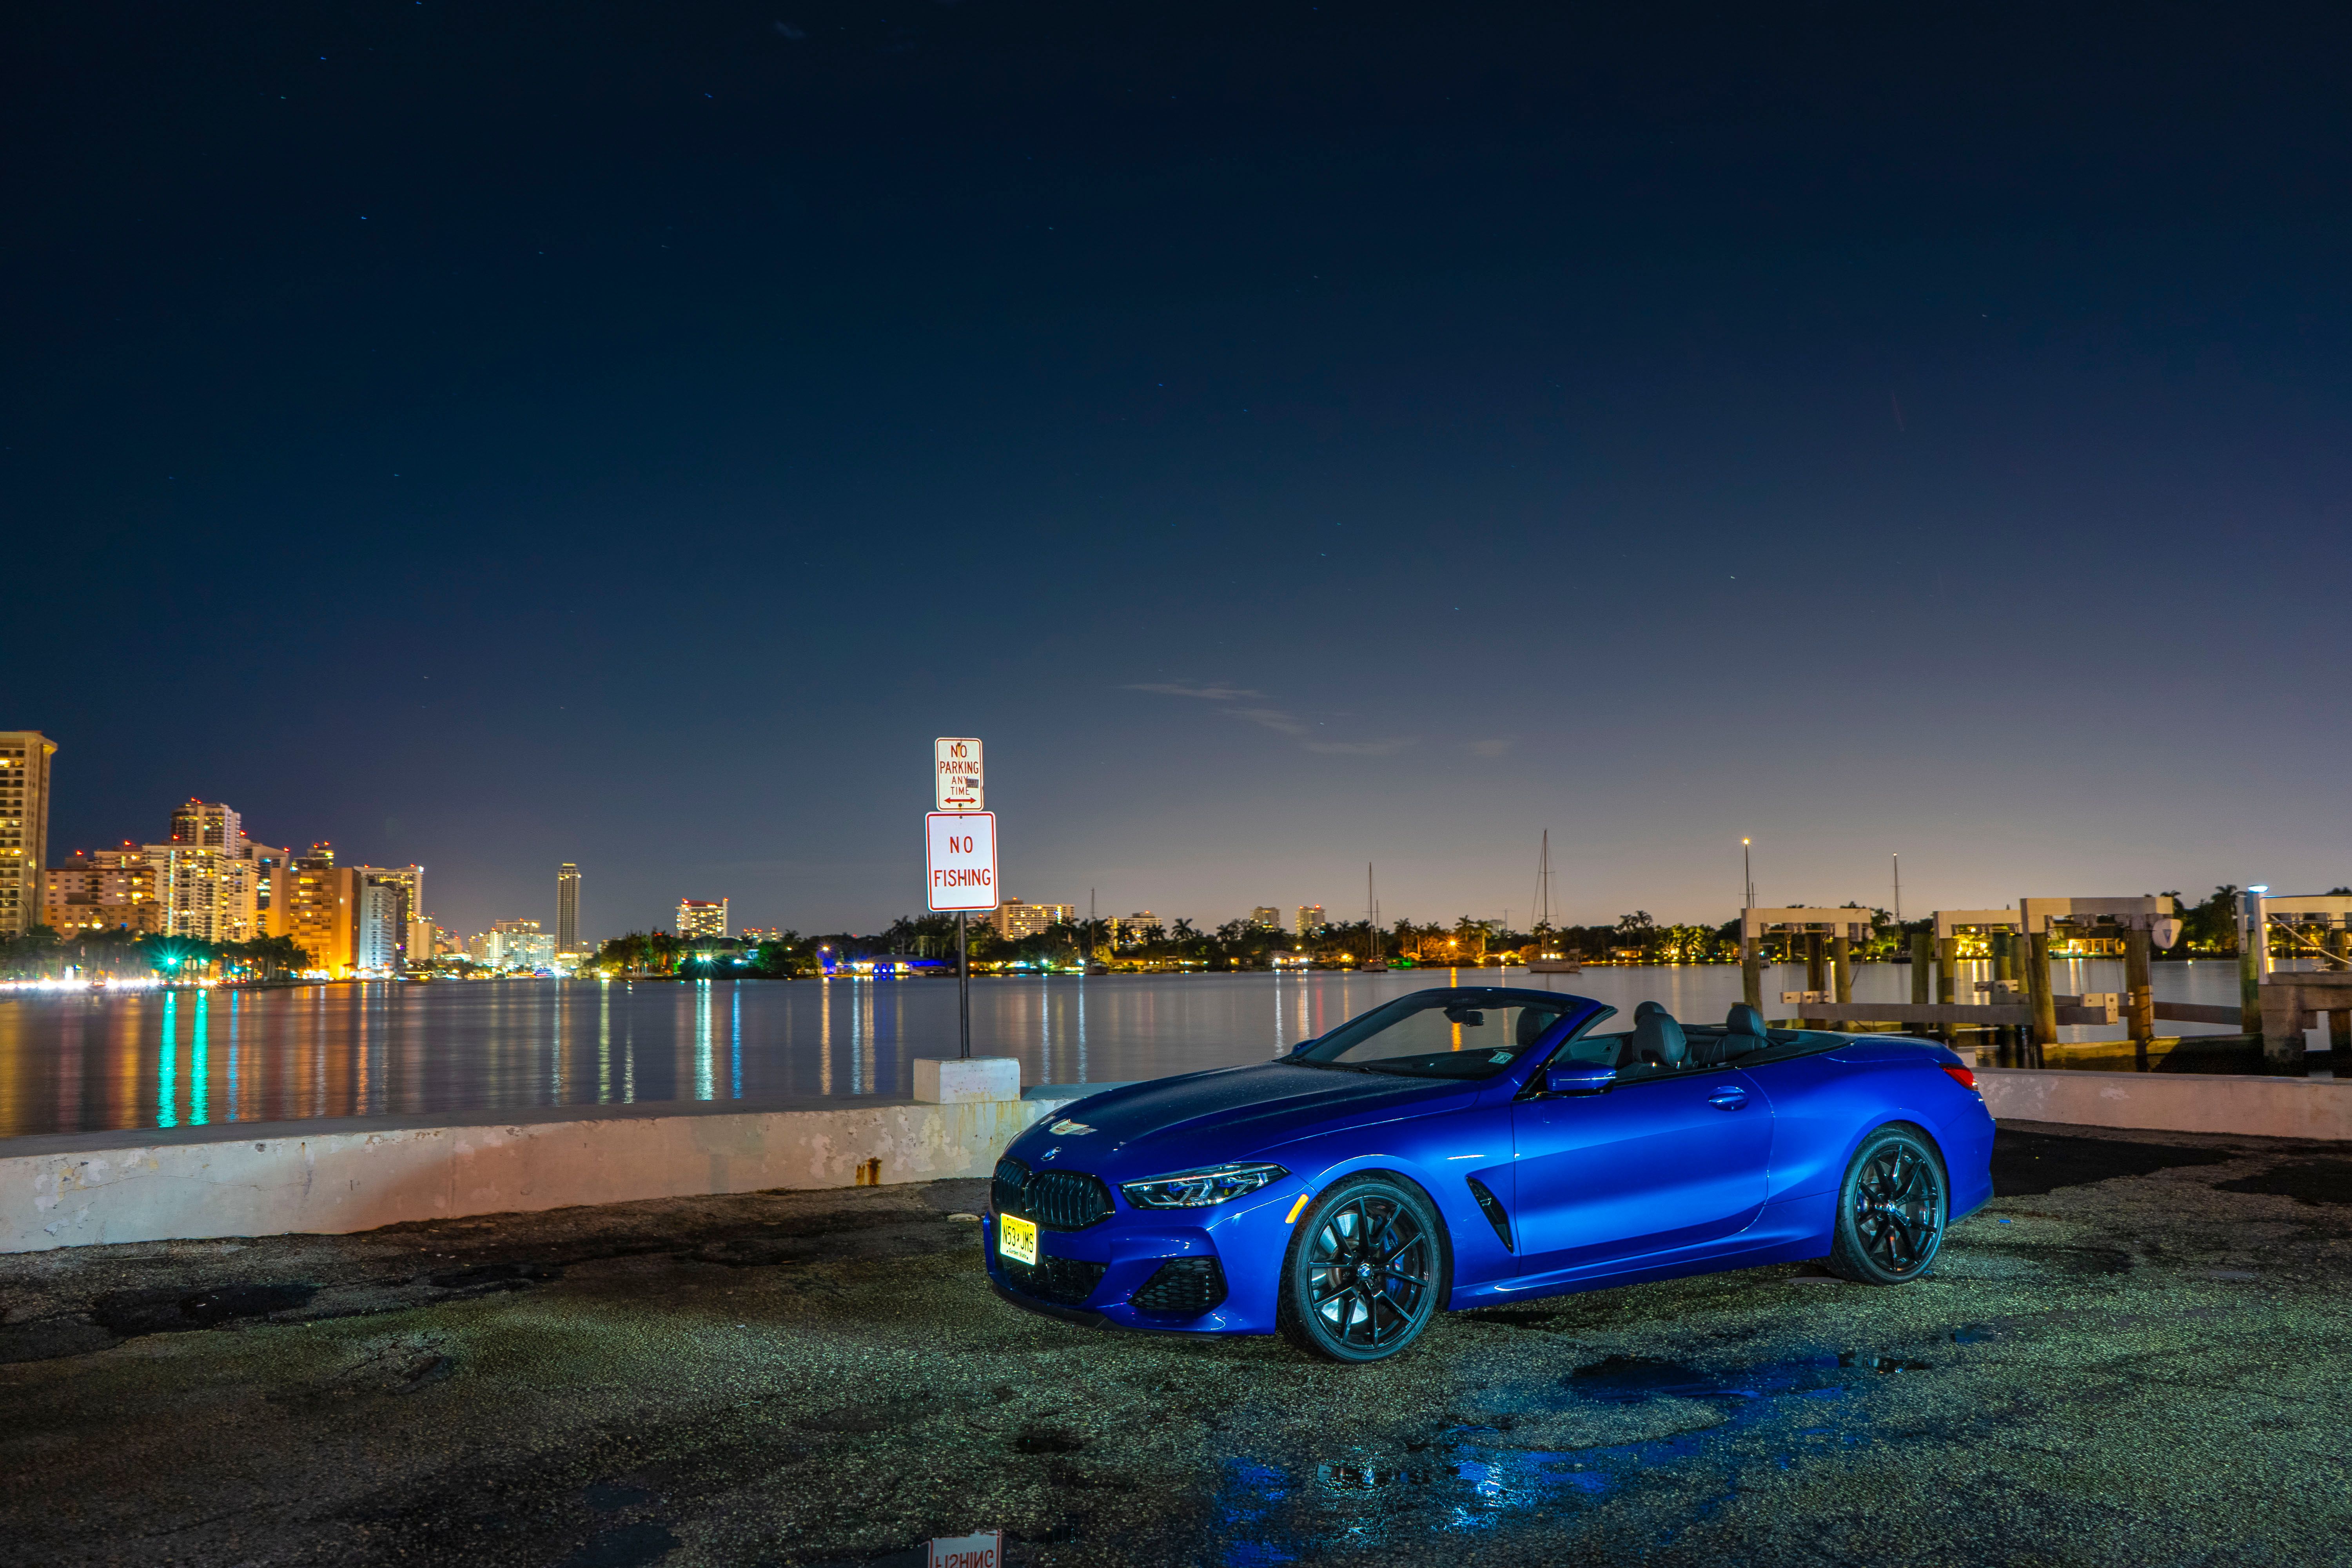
[[1365, 1272], [1891, 1209]]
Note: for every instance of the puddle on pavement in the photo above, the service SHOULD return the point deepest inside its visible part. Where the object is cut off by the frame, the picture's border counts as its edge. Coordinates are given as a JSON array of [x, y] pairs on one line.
[[1369, 1478], [1039, 1440], [129, 1313], [2313, 1181], [625, 1546], [1482, 1471], [1626, 1380], [487, 1278]]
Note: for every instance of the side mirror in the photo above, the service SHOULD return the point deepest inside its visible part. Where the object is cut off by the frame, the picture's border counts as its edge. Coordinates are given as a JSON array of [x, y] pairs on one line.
[[1578, 1077]]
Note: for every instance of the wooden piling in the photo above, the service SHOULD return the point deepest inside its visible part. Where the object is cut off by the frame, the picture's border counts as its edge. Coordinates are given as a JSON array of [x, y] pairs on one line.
[[1922, 964], [2004, 968], [2339, 1021], [2045, 1001], [2249, 972], [1816, 965], [1842, 970], [1948, 957], [2140, 996], [1751, 973]]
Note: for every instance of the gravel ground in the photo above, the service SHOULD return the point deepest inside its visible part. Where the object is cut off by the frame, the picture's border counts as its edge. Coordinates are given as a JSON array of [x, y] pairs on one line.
[[2138, 1354]]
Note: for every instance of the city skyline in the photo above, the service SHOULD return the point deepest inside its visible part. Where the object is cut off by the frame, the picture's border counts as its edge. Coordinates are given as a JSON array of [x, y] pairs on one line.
[[208, 868], [1288, 440]]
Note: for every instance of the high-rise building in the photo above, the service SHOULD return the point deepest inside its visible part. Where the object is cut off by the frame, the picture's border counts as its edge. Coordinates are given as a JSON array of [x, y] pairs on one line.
[[210, 882], [407, 883], [321, 909], [567, 907], [23, 826], [209, 824], [1014, 920], [378, 933], [423, 941], [1265, 917], [204, 892], [1310, 920], [696, 918], [514, 944], [1128, 930], [271, 866], [102, 889]]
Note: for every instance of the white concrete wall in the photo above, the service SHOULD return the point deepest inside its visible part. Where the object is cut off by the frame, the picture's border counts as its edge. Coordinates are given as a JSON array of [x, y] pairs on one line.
[[338, 1176], [2172, 1102]]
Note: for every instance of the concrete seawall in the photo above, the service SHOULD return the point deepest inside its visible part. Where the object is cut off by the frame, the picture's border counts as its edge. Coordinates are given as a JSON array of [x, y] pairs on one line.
[[349, 1175], [337, 1176], [2172, 1102]]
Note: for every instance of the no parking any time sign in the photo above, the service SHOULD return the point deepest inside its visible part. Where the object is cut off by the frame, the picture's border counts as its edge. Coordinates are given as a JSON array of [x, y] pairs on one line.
[[960, 860], [958, 780]]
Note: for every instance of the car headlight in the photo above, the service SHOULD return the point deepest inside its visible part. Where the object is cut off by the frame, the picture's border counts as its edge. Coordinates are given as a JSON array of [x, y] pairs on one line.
[[1198, 1189]]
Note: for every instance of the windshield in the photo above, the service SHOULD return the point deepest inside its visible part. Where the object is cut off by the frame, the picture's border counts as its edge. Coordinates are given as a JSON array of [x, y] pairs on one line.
[[1459, 1034]]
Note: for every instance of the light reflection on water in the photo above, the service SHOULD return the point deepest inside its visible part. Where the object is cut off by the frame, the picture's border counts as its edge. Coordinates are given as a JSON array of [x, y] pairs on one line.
[[145, 1060]]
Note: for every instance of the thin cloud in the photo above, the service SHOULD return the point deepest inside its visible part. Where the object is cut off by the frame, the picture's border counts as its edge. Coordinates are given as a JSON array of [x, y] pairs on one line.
[[1387, 748], [1273, 719], [1489, 748], [1215, 691], [1281, 721]]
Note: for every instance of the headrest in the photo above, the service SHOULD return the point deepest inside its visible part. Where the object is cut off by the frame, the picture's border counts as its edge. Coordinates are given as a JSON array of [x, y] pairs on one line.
[[1533, 1022], [1744, 1020], [1658, 1038]]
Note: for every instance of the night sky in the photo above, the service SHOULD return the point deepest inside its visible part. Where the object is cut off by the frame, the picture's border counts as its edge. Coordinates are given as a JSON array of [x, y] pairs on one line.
[[1290, 436]]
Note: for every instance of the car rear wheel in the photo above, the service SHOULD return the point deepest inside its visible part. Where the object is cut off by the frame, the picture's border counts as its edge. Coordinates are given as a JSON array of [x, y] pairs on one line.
[[1365, 1272], [1891, 1209]]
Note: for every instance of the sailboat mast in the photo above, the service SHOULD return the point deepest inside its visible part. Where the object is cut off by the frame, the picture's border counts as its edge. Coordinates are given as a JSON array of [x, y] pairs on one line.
[[1543, 883]]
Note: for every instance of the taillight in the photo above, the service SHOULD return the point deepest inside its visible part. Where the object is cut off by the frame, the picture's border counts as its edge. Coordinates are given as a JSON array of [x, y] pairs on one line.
[[1965, 1077]]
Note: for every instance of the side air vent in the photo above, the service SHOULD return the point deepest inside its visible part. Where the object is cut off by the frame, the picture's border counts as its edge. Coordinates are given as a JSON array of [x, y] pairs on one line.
[[1189, 1286], [1492, 1208]]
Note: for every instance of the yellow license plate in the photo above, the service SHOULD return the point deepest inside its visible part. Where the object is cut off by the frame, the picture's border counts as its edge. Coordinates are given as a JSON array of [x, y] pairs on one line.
[[1016, 1239]]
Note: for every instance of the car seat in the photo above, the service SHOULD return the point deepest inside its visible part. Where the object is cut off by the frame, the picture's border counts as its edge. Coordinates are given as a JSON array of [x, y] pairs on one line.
[[1743, 1032], [1657, 1040]]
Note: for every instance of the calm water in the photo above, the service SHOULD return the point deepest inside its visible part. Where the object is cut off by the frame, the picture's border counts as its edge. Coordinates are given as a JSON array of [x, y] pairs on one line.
[[194, 1059]]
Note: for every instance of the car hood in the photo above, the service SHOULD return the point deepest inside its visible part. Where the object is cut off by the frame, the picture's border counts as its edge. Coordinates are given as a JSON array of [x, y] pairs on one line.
[[1233, 1113]]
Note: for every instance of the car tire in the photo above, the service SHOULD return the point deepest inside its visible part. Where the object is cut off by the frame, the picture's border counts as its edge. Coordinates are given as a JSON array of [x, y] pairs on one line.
[[1893, 1207], [1366, 1271]]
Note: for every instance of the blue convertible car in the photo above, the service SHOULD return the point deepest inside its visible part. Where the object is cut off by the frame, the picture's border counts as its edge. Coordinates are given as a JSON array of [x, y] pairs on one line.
[[1476, 1146]]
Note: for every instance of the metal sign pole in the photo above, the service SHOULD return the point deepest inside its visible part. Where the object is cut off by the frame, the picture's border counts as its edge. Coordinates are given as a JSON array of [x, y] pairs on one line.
[[966, 822]]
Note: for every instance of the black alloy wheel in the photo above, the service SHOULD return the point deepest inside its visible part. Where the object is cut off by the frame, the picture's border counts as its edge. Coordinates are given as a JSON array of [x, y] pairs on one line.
[[1891, 1209], [1365, 1272]]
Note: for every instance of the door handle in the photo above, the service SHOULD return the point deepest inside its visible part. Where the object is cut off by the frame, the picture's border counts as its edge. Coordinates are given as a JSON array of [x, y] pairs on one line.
[[1727, 1098]]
